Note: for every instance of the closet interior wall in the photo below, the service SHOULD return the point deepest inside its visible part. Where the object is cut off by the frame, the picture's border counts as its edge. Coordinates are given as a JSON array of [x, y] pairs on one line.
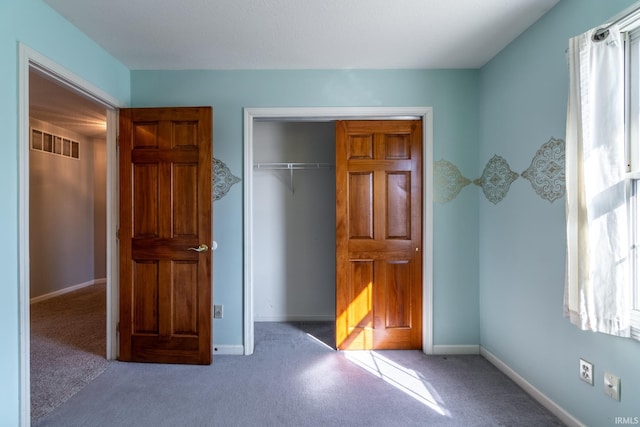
[[294, 226]]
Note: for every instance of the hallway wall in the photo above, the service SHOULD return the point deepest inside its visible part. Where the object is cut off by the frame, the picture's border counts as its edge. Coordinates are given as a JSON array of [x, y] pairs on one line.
[[62, 224], [99, 208]]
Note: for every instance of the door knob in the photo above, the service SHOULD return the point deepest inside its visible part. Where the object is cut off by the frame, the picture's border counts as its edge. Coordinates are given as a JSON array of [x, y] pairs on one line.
[[201, 248]]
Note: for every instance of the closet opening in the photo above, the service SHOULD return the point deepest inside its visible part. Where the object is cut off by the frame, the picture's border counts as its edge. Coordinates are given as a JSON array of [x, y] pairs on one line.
[[265, 124], [294, 225]]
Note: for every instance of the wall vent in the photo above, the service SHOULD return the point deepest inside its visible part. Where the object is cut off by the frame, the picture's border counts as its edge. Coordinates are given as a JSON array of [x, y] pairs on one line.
[[54, 144]]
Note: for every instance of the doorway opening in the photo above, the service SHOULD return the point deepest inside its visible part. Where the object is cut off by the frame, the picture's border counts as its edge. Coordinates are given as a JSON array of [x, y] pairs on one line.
[[67, 224], [252, 118], [44, 119]]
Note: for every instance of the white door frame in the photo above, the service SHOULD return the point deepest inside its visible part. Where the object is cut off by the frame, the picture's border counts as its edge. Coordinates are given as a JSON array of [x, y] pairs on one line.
[[27, 59], [330, 114]]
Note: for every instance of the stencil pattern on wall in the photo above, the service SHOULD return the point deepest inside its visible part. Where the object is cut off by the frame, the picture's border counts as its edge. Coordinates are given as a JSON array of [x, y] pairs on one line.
[[448, 181], [496, 179], [223, 179], [546, 175]]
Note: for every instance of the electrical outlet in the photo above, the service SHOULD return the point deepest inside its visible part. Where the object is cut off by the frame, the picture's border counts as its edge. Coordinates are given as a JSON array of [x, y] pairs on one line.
[[612, 386], [586, 371], [217, 311]]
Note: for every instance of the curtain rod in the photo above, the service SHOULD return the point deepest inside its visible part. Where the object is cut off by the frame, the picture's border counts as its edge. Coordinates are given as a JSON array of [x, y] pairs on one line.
[[623, 19]]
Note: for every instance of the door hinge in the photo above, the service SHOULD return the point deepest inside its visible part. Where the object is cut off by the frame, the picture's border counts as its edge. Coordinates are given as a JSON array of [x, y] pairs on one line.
[[118, 327], [118, 234]]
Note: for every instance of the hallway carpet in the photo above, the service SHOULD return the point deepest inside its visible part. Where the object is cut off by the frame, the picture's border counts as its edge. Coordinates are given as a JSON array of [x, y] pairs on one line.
[[294, 379], [68, 337]]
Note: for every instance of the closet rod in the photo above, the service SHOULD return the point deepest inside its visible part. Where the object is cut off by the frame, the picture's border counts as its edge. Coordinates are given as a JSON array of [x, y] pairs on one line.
[[292, 166]]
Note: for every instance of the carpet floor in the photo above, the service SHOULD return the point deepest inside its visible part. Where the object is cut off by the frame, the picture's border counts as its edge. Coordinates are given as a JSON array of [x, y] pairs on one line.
[[294, 379], [68, 346]]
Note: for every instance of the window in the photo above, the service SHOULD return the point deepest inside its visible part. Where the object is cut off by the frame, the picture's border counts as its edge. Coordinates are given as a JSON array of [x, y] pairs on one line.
[[602, 288]]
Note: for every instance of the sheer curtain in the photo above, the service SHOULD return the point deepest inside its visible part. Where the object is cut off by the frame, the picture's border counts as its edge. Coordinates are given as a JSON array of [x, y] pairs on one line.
[[597, 287]]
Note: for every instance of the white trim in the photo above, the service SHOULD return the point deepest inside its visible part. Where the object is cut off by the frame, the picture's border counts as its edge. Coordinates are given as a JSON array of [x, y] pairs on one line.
[[28, 59], [249, 116], [545, 401], [635, 324], [228, 350], [456, 349], [113, 284], [296, 318], [67, 290], [23, 236], [330, 114], [68, 79]]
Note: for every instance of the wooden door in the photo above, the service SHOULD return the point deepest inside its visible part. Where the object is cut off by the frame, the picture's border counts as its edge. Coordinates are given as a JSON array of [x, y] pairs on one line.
[[165, 233], [378, 235]]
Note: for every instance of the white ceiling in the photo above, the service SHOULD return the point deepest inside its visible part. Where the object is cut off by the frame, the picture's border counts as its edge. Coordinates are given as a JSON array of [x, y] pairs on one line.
[[302, 34], [281, 34]]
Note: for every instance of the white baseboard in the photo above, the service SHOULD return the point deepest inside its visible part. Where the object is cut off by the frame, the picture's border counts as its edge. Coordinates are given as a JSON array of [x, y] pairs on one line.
[[67, 290], [545, 401], [233, 350], [295, 318], [456, 349]]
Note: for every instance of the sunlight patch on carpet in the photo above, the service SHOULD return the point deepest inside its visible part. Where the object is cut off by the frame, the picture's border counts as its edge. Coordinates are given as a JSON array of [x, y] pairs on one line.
[[406, 380]]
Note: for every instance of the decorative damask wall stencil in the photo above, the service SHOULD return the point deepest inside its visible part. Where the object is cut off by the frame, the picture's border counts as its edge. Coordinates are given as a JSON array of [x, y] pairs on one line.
[[223, 179], [496, 179], [448, 181], [546, 175]]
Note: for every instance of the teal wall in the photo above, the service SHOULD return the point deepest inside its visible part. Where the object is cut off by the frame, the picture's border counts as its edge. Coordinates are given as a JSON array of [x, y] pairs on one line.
[[34, 24], [453, 94], [523, 93]]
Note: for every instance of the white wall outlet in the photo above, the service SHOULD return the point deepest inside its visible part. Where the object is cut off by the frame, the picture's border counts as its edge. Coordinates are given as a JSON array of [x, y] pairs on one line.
[[612, 386], [217, 311], [586, 371]]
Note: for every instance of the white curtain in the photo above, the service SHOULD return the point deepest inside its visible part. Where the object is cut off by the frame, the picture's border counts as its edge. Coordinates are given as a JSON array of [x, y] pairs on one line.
[[597, 288]]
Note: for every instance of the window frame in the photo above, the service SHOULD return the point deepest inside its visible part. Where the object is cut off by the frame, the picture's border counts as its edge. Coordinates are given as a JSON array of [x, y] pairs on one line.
[[631, 37]]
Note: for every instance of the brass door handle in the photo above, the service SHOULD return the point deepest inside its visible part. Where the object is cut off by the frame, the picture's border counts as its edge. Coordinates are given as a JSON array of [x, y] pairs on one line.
[[201, 248]]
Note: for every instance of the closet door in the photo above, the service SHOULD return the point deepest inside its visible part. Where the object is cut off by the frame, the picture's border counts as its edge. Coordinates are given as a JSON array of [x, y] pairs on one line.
[[378, 235]]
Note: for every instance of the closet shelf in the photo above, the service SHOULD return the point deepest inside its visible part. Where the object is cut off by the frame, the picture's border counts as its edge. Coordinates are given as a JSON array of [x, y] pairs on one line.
[[291, 167]]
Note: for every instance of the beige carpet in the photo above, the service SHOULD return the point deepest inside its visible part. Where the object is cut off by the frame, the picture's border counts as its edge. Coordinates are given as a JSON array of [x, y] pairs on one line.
[[68, 346]]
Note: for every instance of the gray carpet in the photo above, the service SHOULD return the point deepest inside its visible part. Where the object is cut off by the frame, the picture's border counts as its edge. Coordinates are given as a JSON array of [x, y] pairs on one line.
[[293, 379], [68, 337]]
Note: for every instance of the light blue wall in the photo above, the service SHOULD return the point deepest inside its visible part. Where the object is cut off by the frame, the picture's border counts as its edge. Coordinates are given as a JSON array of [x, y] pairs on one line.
[[453, 94], [37, 26], [522, 239]]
